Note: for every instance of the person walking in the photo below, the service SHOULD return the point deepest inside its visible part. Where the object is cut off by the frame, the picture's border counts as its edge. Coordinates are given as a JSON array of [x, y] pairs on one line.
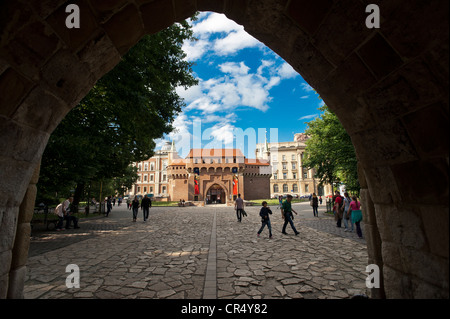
[[346, 215], [286, 214], [108, 206], [315, 205], [135, 207], [337, 208], [146, 203], [356, 214], [265, 220], [239, 207]]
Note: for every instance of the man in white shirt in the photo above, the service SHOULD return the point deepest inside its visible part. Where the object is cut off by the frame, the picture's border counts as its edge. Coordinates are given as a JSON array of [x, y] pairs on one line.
[[59, 212]]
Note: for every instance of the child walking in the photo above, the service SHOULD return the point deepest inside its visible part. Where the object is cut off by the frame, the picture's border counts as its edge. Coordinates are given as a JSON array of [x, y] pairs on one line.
[[265, 220]]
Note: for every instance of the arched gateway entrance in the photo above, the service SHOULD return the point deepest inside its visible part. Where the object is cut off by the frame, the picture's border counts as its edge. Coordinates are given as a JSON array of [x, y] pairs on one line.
[[216, 195], [388, 86]]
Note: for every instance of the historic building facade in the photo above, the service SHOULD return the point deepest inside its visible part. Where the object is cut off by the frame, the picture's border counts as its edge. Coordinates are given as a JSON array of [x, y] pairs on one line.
[[288, 174], [205, 176], [152, 175]]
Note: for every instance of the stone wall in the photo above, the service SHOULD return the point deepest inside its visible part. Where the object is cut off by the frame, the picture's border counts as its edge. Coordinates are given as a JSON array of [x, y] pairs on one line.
[[388, 86]]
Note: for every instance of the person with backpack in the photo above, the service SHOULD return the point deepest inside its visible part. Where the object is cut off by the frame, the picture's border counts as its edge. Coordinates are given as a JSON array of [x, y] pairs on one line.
[[338, 208], [265, 220], [356, 214]]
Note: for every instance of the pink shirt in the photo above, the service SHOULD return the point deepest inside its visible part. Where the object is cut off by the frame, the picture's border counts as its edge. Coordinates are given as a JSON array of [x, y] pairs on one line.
[[355, 205]]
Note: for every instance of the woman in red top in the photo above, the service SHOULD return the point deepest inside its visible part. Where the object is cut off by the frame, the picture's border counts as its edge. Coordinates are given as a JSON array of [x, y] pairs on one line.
[[356, 214]]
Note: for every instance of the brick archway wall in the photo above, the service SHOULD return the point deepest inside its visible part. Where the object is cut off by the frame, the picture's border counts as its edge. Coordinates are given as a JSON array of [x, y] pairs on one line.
[[219, 183], [388, 86]]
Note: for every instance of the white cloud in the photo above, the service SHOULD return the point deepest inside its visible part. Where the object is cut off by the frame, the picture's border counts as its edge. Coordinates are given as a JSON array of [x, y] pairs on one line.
[[307, 117], [233, 42], [215, 23], [237, 87], [223, 133], [181, 135], [304, 97], [234, 69], [218, 35], [287, 72], [195, 49], [306, 87]]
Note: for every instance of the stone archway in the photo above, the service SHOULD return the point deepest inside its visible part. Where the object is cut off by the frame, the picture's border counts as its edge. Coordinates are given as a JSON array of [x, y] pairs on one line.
[[388, 86], [216, 194]]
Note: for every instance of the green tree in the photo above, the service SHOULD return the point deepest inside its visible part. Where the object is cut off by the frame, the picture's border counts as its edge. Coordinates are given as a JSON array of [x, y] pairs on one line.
[[330, 151], [117, 122]]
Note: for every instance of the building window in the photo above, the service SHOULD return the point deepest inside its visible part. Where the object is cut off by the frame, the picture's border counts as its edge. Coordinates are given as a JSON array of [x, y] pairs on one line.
[[151, 189], [164, 178], [275, 175], [284, 166], [294, 175], [305, 174], [285, 188], [151, 177], [145, 190], [293, 157], [284, 157], [275, 188], [152, 166], [139, 178], [284, 175], [294, 165], [274, 158], [295, 188], [138, 189], [145, 166], [139, 167], [145, 178], [164, 189], [306, 188], [164, 165]]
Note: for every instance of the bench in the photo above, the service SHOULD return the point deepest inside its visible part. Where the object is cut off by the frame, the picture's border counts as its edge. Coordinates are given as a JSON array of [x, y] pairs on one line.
[[46, 216]]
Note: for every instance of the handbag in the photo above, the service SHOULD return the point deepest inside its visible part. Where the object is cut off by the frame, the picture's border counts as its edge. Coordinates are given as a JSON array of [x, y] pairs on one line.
[[244, 213]]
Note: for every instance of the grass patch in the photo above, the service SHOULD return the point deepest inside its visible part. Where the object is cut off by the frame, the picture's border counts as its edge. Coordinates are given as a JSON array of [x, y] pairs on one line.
[[274, 201]]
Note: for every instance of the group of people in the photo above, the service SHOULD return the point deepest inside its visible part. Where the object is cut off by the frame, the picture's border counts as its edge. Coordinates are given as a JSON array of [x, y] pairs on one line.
[[286, 215], [344, 208], [145, 205], [349, 210], [65, 211]]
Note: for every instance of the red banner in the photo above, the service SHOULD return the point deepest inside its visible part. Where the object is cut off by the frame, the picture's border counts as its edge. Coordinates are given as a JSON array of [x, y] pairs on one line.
[[196, 188], [235, 185]]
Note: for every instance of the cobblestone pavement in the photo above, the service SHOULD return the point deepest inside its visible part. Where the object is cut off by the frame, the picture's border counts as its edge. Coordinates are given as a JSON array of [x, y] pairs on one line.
[[196, 253]]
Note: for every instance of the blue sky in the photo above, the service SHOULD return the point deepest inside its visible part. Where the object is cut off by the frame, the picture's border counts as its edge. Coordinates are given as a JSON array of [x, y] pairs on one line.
[[244, 89]]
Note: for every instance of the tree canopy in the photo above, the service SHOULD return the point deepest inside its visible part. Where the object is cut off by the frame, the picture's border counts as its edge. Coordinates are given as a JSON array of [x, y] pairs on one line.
[[117, 122], [330, 151]]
